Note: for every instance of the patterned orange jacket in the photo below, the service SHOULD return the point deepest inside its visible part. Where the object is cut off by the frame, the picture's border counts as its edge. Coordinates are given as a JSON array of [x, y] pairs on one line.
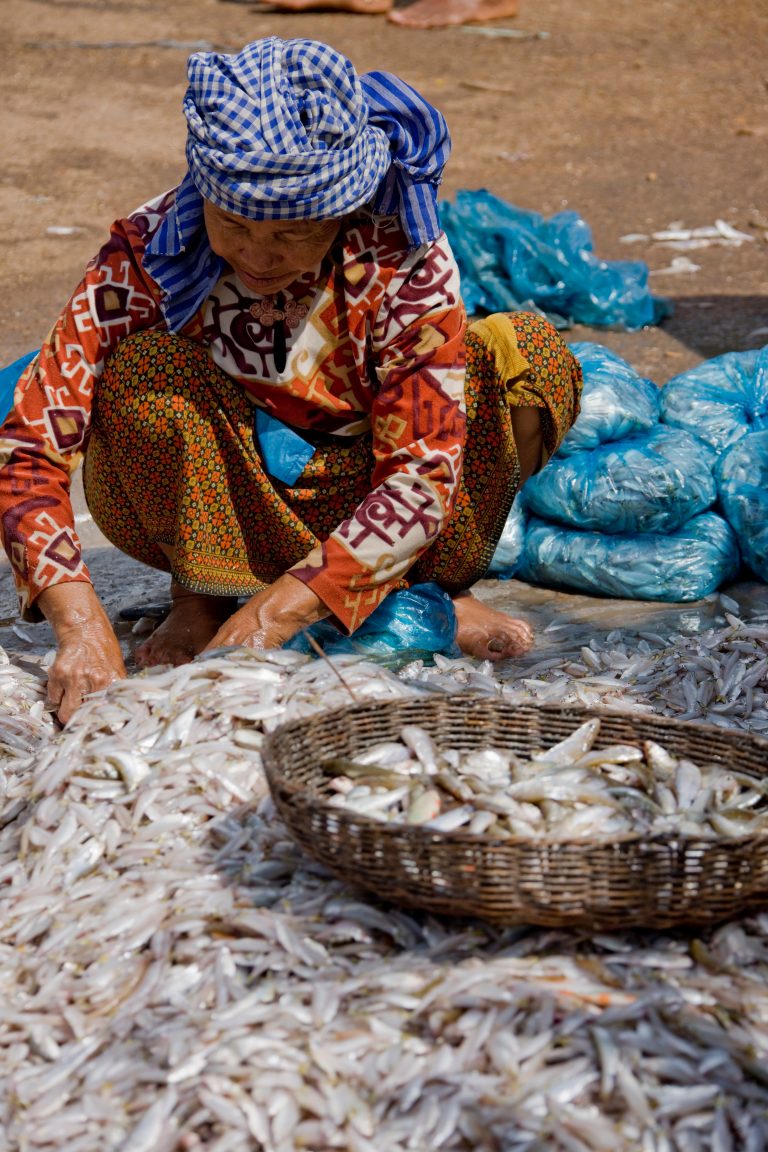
[[380, 349]]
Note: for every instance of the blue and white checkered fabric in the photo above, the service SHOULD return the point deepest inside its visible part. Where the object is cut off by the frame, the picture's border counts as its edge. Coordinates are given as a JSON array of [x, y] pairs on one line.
[[286, 130]]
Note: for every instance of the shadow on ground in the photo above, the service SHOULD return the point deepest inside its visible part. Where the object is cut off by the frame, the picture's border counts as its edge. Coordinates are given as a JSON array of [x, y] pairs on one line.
[[712, 325]]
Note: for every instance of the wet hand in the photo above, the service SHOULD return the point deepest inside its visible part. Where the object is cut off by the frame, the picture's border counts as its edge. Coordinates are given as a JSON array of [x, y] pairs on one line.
[[272, 617], [83, 664], [88, 656]]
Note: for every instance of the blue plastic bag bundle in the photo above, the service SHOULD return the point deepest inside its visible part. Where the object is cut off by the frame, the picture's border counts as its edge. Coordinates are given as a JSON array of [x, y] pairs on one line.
[[510, 258], [742, 480], [412, 623], [511, 542], [9, 378], [679, 566], [615, 402], [652, 482], [720, 400]]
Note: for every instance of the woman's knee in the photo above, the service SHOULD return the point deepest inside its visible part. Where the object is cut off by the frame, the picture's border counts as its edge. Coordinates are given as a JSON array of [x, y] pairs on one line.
[[554, 379], [154, 384], [152, 362]]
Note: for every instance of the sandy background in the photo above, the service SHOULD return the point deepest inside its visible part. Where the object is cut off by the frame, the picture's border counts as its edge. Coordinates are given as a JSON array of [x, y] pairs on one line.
[[637, 116]]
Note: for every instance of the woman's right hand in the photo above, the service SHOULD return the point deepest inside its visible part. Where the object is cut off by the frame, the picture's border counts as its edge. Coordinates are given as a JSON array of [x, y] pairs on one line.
[[88, 656]]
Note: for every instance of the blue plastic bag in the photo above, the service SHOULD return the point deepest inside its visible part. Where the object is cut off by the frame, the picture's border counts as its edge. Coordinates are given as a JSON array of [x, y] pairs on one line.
[[720, 400], [679, 566], [511, 542], [742, 480], [652, 482], [510, 258], [615, 402], [284, 453], [9, 378], [409, 624]]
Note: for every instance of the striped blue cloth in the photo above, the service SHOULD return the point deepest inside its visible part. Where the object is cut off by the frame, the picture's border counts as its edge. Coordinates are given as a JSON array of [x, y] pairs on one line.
[[419, 146], [286, 130], [180, 258]]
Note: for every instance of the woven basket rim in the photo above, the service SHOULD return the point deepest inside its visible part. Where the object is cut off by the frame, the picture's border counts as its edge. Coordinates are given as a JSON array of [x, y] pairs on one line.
[[674, 723]]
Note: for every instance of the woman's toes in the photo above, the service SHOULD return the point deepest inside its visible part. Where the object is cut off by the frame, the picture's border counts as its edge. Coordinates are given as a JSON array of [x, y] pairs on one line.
[[486, 633]]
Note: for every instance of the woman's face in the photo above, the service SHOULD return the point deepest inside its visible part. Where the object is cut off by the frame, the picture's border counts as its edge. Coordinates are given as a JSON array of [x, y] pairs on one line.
[[268, 255]]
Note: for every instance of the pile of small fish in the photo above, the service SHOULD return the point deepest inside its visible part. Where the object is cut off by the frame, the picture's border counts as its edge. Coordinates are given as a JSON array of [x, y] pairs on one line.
[[24, 721], [717, 675], [175, 974], [570, 791]]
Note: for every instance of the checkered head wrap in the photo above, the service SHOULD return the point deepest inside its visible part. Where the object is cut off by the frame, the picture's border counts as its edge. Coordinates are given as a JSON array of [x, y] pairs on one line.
[[286, 130]]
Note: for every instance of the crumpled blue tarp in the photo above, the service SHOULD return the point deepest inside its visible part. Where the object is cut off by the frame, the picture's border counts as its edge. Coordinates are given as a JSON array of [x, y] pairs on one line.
[[616, 401], [510, 258], [742, 479], [684, 565], [410, 623], [651, 482], [720, 400]]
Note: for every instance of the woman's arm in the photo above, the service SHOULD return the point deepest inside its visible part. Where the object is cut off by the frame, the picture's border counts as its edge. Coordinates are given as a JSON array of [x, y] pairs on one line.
[[42, 442], [44, 437], [418, 424]]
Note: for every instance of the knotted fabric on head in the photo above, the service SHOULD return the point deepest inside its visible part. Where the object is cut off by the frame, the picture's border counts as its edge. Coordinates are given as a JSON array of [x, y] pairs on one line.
[[286, 130]]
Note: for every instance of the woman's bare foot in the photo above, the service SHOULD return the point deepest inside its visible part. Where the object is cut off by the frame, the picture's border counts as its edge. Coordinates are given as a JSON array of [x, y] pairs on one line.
[[442, 13], [363, 7], [486, 633], [191, 624], [421, 14]]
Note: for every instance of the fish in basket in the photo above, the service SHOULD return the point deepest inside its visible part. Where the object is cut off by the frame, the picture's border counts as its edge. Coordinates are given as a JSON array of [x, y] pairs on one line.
[[469, 806]]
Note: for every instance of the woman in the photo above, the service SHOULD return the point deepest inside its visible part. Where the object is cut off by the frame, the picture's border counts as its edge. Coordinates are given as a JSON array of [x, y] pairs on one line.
[[263, 372]]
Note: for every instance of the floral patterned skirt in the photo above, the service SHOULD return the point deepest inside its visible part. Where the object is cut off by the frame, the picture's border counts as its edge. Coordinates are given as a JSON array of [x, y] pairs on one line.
[[172, 465]]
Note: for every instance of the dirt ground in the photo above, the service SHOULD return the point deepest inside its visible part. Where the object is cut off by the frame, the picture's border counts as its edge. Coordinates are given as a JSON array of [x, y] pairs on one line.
[[636, 115]]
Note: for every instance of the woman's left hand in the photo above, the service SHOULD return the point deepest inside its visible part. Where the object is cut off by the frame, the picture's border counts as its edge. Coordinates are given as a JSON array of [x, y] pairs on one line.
[[271, 617]]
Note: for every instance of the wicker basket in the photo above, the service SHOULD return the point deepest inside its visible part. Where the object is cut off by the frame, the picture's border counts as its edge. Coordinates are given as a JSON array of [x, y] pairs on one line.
[[658, 881]]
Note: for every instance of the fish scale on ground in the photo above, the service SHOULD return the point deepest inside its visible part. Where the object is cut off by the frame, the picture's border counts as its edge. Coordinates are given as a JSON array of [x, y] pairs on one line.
[[151, 1003]]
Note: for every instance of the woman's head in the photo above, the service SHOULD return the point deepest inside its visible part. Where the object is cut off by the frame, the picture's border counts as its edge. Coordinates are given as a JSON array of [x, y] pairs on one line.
[[281, 132], [285, 130], [268, 255]]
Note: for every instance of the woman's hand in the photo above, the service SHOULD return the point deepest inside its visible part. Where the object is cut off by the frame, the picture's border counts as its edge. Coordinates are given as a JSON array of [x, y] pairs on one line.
[[271, 617], [88, 656]]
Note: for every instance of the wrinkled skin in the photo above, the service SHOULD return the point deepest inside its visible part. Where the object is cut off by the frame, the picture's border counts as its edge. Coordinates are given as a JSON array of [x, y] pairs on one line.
[[198, 623], [268, 255], [88, 656], [488, 634]]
